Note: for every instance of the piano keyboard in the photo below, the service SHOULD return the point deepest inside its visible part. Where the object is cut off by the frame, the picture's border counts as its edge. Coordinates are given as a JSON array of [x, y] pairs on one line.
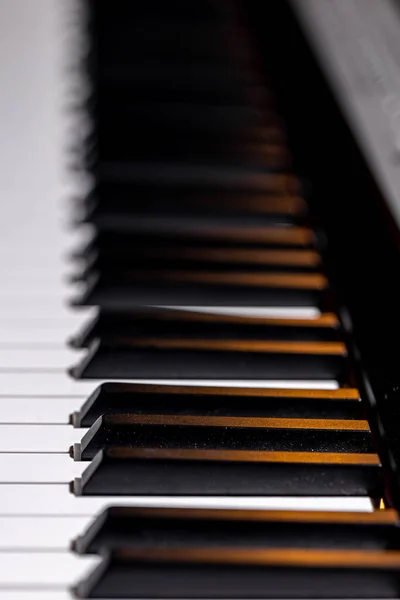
[[180, 411]]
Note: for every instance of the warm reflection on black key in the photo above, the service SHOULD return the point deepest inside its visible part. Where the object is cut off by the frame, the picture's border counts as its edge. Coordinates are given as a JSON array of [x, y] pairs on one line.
[[122, 291], [132, 527], [120, 263], [235, 433], [172, 358], [171, 323], [121, 398], [124, 233], [172, 471], [205, 572], [174, 201], [116, 207], [145, 288]]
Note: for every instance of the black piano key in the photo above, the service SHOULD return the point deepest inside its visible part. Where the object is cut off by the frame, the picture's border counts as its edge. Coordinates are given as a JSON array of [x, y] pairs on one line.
[[217, 432], [112, 198], [119, 233], [189, 117], [200, 472], [172, 288], [189, 83], [304, 282], [128, 142], [197, 175], [156, 357], [122, 298], [169, 39], [117, 144], [192, 224], [132, 268], [122, 398], [121, 258], [122, 13], [209, 90], [205, 572], [232, 72], [190, 324], [115, 265], [132, 527]]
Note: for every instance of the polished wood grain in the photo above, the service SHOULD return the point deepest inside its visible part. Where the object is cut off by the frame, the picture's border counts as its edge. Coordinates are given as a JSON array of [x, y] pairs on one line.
[[282, 557], [251, 456], [188, 390], [302, 281], [237, 422], [253, 346], [377, 517]]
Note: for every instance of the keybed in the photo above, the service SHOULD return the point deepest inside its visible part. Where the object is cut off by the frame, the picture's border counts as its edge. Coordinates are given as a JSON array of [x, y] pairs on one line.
[[182, 355]]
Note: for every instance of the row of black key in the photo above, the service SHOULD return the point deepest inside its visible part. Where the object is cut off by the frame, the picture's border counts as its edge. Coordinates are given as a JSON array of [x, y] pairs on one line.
[[195, 204]]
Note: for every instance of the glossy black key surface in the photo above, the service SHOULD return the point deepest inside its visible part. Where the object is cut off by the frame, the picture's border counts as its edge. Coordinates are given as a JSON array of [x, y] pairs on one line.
[[210, 90], [119, 264], [213, 359], [106, 201], [119, 236], [126, 252], [121, 398], [224, 176], [216, 432], [268, 151], [174, 323], [184, 258], [160, 288], [132, 527], [171, 471], [257, 154], [186, 121], [205, 572], [168, 38]]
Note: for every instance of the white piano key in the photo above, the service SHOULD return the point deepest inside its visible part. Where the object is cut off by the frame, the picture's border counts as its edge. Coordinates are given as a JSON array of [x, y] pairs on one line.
[[33, 271], [52, 384], [38, 410], [18, 280], [44, 569], [40, 533], [50, 257], [18, 499], [36, 336], [31, 359], [13, 594], [33, 308], [39, 438], [47, 291], [49, 246], [61, 384], [32, 285], [18, 594], [21, 332], [39, 468]]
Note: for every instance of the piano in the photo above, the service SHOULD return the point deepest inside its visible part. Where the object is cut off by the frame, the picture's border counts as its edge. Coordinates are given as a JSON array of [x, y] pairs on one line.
[[199, 300]]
